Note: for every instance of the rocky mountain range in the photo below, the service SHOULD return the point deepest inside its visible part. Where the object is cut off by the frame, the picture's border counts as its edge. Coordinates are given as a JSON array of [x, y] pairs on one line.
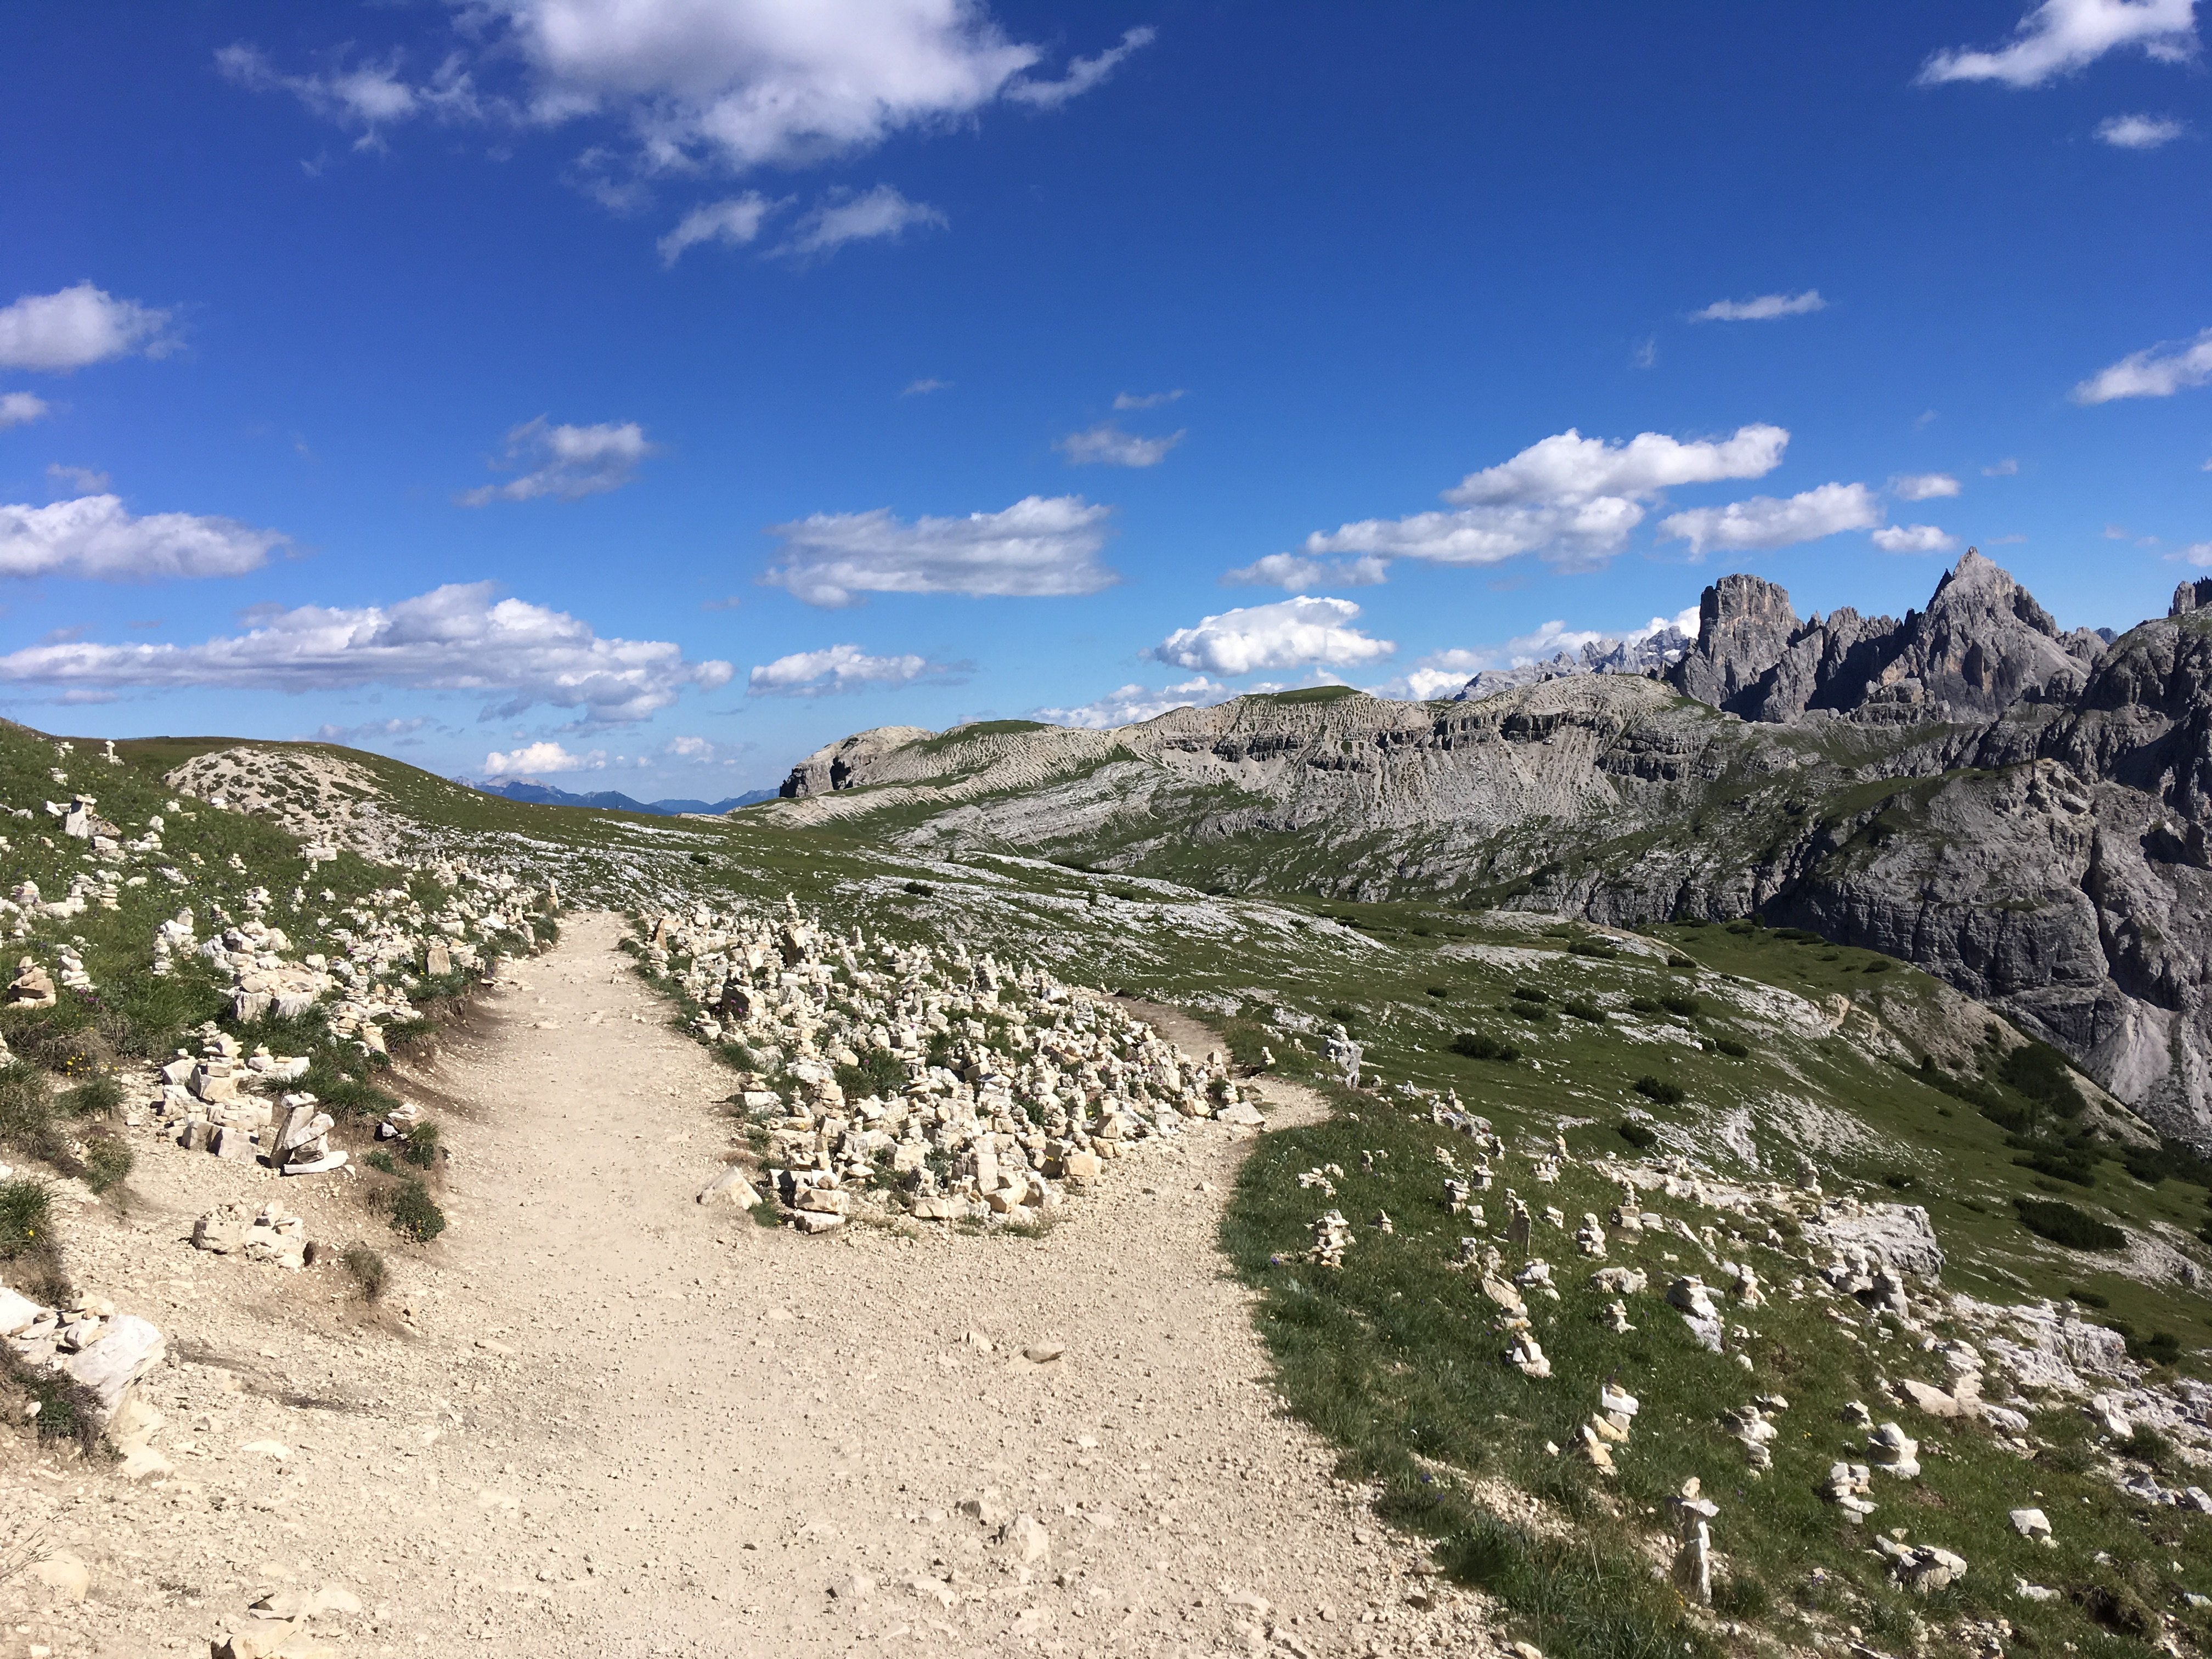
[[611, 800], [2021, 810]]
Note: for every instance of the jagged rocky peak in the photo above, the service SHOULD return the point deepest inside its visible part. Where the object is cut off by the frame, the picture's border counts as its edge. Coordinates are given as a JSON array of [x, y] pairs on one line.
[[1982, 645], [2190, 596], [1647, 654]]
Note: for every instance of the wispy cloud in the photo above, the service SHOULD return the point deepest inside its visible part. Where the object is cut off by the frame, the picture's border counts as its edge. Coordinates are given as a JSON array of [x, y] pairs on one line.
[[567, 462], [1083, 73], [21, 409], [1125, 401], [2005, 468], [2059, 36], [1301, 574], [923, 388], [2139, 132], [2158, 371], [1761, 307], [1106, 444], [76, 480], [1913, 539], [873, 215], [733, 222], [1923, 486]]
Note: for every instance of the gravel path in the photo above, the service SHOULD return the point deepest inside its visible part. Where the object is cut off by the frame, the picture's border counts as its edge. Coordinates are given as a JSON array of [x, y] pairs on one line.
[[620, 1423]]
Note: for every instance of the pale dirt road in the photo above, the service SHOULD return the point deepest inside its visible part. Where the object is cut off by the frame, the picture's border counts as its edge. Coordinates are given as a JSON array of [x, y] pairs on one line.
[[632, 1425]]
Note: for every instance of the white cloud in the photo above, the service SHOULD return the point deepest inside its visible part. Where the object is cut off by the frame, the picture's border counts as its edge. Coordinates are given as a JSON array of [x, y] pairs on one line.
[[1300, 575], [2140, 131], [1766, 522], [1042, 546], [1923, 486], [21, 409], [838, 668], [843, 217], [753, 81], [544, 757], [570, 462], [1573, 499], [1083, 73], [1761, 307], [733, 222], [1130, 704], [1443, 672], [76, 480], [364, 98], [93, 537], [1107, 444], [1646, 354], [1913, 539], [57, 332], [454, 638], [1288, 634], [2159, 371], [388, 731], [2005, 468], [1125, 401], [2197, 553], [923, 388], [2060, 35]]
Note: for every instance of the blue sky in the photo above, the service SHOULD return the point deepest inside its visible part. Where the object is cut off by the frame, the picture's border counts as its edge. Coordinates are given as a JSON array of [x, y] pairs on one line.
[[636, 396]]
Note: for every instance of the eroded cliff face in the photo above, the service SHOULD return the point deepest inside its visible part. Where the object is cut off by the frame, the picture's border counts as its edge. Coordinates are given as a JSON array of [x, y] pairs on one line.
[[2025, 813]]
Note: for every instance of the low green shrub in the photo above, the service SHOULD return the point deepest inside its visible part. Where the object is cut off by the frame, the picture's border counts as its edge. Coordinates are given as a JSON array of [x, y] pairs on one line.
[[1731, 1047], [107, 1163], [93, 1096], [1584, 1008], [1478, 1045], [422, 1146], [1531, 994], [2063, 1223], [368, 1270], [413, 1212], [1682, 1003], [1659, 1089], [1638, 1135], [26, 1208]]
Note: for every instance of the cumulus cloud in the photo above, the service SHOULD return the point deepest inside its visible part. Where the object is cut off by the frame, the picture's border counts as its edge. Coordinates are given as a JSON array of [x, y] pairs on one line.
[[544, 757], [1125, 401], [734, 223], [2062, 35], [1106, 444], [1042, 546], [2158, 371], [2139, 132], [870, 216], [842, 668], [1766, 522], [1083, 73], [1913, 539], [455, 638], [1923, 486], [1573, 499], [1761, 307], [1299, 574], [60, 331], [21, 409], [94, 537], [76, 480], [1288, 634], [570, 462], [1129, 705]]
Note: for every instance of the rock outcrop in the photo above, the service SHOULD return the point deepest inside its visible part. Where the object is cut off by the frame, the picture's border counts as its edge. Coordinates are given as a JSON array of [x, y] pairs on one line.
[[2024, 812]]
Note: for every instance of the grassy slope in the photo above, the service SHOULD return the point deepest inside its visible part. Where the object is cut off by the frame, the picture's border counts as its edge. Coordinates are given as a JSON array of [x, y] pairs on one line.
[[1395, 1357]]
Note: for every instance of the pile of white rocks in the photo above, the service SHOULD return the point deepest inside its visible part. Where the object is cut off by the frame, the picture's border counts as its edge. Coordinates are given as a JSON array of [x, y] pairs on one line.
[[206, 1103], [87, 1343], [268, 1233], [993, 1090]]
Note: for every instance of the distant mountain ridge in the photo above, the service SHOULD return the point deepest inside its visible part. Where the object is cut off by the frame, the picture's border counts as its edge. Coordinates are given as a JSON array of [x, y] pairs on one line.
[[609, 800], [2024, 812]]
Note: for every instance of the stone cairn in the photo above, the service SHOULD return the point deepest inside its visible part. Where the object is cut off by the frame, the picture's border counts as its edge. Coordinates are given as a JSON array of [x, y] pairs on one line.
[[989, 1092]]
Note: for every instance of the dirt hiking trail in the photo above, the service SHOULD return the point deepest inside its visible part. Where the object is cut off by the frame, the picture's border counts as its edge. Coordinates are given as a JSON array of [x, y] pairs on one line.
[[620, 1423]]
